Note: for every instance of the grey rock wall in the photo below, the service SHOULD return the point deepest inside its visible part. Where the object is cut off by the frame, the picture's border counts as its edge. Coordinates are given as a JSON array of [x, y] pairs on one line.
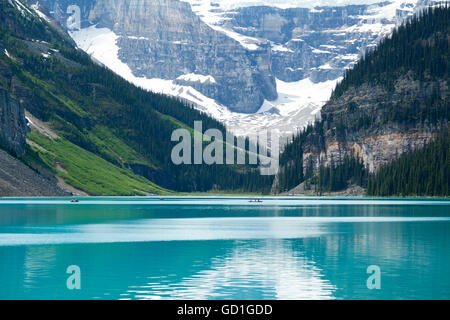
[[165, 39], [381, 142], [310, 39], [13, 125]]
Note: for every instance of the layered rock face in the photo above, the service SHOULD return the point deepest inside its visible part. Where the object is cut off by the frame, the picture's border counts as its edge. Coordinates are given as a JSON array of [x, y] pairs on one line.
[[234, 55], [315, 43], [13, 125], [381, 142], [165, 39]]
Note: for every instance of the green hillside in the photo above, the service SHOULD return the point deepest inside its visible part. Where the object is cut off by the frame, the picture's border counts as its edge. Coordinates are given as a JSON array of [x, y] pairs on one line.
[[106, 127]]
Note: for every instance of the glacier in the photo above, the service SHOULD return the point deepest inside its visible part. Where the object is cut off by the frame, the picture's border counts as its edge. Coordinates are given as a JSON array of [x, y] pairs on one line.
[[307, 60]]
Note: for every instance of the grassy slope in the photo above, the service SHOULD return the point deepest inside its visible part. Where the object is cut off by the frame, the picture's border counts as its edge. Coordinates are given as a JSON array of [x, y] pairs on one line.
[[101, 174], [87, 171]]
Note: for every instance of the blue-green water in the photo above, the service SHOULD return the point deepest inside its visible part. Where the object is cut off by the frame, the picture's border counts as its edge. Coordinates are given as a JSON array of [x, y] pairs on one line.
[[224, 248]]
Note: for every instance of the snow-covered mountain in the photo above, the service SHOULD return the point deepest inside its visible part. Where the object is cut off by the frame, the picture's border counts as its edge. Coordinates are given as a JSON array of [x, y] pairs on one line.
[[225, 5], [250, 63]]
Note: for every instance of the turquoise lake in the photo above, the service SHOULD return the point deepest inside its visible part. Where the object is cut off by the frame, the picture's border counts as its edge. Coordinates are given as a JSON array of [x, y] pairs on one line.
[[224, 248]]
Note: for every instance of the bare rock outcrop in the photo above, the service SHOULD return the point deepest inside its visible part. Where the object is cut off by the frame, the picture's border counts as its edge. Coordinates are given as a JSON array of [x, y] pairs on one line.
[[13, 125], [367, 134], [164, 39]]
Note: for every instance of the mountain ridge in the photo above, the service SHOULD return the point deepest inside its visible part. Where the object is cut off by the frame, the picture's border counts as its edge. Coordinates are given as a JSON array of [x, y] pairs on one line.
[[95, 130], [304, 49], [394, 101]]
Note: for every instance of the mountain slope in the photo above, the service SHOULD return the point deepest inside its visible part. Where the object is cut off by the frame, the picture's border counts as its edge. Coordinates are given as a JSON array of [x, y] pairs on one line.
[[18, 180], [164, 39], [396, 99], [33, 65], [224, 56], [90, 127]]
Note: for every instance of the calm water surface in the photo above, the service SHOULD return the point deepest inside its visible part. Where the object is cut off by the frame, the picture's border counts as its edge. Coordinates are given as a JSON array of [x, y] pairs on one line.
[[224, 248]]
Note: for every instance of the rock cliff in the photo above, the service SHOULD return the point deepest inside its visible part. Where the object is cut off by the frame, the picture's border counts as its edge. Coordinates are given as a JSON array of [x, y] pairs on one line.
[[368, 134], [322, 42], [241, 57], [396, 99], [13, 125]]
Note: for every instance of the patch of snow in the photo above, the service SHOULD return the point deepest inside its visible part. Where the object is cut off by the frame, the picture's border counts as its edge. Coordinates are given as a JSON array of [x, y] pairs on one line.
[[29, 122], [320, 51], [326, 66], [281, 48], [303, 92], [136, 38], [375, 28], [292, 69], [192, 77], [210, 13], [298, 104], [248, 43], [21, 7], [35, 7], [214, 13], [7, 53], [351, 57], [328, 46], [375, 13]]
